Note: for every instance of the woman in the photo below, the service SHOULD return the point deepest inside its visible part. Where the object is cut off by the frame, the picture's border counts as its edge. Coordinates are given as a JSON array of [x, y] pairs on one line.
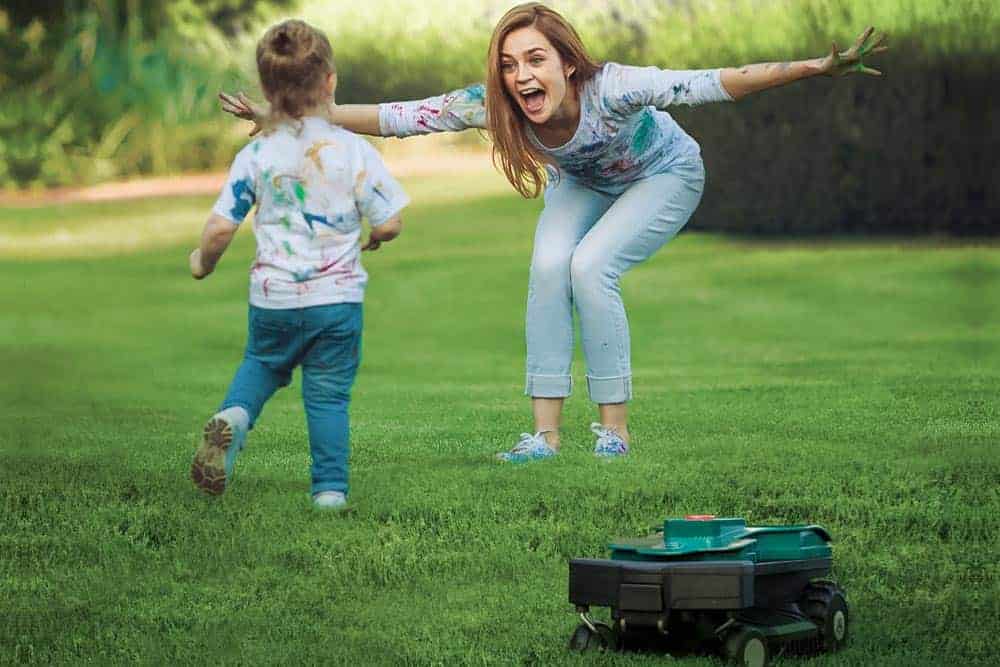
[[620, 179]]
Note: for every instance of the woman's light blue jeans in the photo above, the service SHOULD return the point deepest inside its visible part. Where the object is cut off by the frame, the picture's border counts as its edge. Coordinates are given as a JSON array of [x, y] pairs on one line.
[[326, 342], [584, 242]]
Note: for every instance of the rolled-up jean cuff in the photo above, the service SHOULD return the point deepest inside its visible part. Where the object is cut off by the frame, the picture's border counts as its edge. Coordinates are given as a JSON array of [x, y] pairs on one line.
[[610, 390], [548, 386]]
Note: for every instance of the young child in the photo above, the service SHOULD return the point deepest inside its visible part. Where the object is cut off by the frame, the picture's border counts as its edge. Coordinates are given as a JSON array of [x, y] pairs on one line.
[[312, 183]]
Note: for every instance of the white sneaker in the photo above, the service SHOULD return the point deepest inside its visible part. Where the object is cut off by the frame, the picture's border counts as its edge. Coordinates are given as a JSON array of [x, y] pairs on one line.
[[330, 500], [531, 447], [222, 439], [609, 444]]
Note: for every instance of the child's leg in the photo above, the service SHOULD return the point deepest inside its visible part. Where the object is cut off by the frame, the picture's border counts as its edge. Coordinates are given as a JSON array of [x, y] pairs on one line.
[[270, 356], [254, 383], [330, 363], [273, 340]]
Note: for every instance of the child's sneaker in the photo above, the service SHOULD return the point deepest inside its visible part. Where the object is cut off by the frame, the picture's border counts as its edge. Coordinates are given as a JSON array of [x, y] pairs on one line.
[[330, 500], [222, 439], [609, 443], [528, 448]]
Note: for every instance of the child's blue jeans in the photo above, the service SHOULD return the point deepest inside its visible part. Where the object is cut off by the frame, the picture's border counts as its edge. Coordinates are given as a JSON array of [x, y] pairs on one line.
[[326, 342]]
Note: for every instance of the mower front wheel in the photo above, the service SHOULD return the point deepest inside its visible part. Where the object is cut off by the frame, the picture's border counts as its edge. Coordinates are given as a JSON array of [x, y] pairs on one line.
[[585, 639], [748, 648]]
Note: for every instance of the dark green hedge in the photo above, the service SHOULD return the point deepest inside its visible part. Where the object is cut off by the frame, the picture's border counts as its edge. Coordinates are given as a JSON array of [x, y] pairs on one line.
[[916, 151]]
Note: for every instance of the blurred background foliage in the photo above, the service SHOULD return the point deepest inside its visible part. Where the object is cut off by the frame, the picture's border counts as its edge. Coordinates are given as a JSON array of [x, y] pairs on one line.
[[108, 89]]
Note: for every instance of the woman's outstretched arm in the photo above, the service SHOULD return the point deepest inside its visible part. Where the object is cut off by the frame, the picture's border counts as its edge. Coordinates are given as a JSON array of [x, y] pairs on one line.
[[452, 112], [360, 118], [741, 81]]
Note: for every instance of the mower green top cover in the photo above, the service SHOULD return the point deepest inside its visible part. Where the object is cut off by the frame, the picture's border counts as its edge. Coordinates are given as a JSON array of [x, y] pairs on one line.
[[697, 539]]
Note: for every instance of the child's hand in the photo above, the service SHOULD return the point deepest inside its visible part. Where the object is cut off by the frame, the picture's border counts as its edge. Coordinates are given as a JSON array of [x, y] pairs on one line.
[[243, 107], [383, 233], [197, 269]]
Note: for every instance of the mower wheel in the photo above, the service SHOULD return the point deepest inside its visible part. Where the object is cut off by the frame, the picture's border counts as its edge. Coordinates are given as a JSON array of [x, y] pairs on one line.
[[585, 639], [748, 648], [826, 606]]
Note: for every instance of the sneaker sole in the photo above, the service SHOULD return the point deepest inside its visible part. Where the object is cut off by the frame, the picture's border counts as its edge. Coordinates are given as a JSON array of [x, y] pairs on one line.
[[208, 470], [344, 507], [499, 458], [609, 455]]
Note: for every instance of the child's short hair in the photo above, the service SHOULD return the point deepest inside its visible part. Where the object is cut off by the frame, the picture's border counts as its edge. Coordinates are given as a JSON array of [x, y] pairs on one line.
[[293, 61]]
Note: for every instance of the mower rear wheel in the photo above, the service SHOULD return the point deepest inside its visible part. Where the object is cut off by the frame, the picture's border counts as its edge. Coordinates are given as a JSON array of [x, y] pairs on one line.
[[585, 639], [826, 606], [748, 648]]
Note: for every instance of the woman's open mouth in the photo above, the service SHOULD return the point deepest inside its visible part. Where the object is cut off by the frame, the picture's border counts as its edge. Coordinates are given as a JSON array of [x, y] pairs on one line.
[[533, 99]]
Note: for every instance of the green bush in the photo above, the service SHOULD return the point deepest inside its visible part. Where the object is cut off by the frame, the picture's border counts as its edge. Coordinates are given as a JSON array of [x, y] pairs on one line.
[[902, 154], [110, 89], [907, 153]]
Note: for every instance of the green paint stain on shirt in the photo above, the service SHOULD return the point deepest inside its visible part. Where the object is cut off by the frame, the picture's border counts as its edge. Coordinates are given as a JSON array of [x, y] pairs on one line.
[[288, 248], [643, 133], [286, 223], [300, 193]]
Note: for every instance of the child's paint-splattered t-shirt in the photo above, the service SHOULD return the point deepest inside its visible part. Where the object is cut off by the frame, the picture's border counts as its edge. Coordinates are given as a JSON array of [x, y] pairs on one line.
[[312, 185], [624, 133]]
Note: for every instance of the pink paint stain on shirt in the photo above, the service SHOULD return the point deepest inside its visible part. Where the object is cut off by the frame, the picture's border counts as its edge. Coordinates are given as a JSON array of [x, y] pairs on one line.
[[434, 111]]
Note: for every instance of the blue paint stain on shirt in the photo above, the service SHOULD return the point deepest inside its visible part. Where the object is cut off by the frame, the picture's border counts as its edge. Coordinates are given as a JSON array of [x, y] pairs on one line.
[[380, 194], [312, 217], [243, 199], [302, 276], [476, 92]]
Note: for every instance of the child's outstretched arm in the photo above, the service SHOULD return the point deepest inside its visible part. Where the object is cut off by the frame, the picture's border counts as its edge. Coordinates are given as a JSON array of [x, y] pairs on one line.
[[215, 238], [740, 82]]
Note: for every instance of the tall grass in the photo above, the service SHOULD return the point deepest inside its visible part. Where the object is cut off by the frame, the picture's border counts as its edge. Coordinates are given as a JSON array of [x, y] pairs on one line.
[[114, 101], [391, 47]]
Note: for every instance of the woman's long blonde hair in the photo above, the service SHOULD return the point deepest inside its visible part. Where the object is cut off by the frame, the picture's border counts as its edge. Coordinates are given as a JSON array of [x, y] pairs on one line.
[[294, 60], [522, 163]]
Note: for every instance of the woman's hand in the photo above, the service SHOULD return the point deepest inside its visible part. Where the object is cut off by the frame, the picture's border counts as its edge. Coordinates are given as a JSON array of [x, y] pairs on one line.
[[372, 244], [243, 107], [840, 63]]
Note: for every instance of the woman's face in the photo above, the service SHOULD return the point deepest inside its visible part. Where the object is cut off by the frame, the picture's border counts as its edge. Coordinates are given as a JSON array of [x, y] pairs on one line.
[[534, 74]]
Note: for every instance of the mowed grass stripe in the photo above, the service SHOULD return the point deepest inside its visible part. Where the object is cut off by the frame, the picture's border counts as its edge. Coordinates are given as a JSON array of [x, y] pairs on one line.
[[851, 384]]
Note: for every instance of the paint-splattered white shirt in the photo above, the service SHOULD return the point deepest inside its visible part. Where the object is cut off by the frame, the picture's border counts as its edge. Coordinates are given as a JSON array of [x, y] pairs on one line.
[[624, 133], [312, 185]]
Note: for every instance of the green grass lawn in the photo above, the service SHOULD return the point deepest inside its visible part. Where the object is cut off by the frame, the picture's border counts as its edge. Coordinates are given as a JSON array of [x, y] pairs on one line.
[[851, 384]]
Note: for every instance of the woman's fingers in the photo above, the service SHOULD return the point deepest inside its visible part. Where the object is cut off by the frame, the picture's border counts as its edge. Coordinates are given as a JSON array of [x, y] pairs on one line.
[[228, 103], [869, 70], [860, 43], [879, 44], [236, 107]]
